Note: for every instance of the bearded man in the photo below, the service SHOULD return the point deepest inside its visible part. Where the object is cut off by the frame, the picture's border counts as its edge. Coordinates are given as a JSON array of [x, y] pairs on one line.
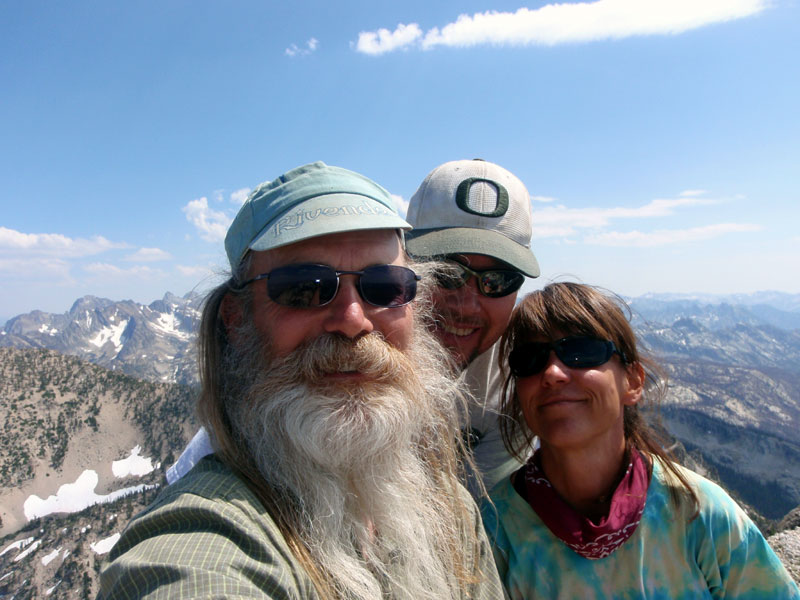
[[333, 416]]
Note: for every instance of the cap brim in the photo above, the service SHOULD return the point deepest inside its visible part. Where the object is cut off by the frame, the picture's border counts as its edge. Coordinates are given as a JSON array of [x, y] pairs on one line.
[[467, 240], [323, 215]]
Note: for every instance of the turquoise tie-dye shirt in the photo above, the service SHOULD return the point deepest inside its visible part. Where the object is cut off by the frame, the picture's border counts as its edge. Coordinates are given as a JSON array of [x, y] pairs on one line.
[[720, 554]]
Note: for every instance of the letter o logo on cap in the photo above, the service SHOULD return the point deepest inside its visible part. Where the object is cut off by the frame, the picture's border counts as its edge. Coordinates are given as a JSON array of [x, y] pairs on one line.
[[462, 197]]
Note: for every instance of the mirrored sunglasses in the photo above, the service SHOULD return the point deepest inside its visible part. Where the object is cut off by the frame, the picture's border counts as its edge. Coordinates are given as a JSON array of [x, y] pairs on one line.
[[310, 285], [493, 283], [578, 352]]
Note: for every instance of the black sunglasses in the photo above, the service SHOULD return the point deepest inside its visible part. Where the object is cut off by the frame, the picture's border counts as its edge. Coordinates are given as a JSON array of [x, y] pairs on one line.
[[493, 283], [309, 285], [577, 352]]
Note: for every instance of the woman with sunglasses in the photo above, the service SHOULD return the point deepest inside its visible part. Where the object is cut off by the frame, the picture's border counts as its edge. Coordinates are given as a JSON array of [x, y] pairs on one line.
[[601, 510]]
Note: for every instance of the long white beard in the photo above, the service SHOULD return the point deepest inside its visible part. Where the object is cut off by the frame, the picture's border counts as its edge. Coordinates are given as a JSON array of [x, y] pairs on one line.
[[351, 459]]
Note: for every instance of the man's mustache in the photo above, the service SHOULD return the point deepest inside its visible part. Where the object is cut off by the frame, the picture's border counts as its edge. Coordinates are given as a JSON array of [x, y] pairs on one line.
[[369, 354]]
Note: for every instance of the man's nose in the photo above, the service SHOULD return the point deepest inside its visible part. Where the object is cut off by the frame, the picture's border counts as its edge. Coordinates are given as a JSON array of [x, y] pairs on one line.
[[348, 312], [466, 298]]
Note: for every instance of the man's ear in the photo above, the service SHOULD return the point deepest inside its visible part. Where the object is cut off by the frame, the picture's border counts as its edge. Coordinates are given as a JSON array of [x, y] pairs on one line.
[[230, 311], [634, 384]]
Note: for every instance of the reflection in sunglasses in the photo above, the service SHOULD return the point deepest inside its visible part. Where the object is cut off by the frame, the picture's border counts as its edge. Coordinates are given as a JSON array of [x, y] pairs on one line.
[[493, 283]]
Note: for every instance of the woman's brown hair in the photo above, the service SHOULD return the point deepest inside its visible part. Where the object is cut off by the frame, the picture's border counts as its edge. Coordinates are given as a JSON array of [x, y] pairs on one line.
[[566, 309]]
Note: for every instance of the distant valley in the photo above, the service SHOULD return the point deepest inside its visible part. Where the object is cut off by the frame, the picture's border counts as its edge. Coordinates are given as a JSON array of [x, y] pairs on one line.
[[734, 399], [82, 449]]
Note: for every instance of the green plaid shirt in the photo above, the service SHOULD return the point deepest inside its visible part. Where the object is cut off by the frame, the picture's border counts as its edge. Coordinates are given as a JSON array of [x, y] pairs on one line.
[[207, 536]]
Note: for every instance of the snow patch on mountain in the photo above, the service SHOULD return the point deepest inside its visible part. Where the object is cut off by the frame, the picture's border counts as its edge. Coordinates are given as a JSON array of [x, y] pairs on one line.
[[74, 497], [134, 465], [28, 551], [47, 330], [112, 333], [169, 324], [106, 544], [48, 558], [50, 590], [18, 545]]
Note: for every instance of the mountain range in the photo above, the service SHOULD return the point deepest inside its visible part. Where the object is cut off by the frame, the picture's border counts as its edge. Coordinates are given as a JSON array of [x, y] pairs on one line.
[[98, 401], [732, 362], [156, 341], [153, 342], [734, 392]]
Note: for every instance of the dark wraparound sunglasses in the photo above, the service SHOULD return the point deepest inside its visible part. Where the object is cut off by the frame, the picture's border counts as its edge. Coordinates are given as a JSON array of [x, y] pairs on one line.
[[309, 285], [578, 352], [493, 283]]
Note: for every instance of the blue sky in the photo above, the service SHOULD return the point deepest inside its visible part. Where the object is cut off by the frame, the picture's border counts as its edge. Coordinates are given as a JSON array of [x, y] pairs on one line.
[[659, 139]]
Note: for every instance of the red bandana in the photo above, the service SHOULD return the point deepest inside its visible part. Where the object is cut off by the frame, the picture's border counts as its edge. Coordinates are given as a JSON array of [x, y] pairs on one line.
[[576, 531]]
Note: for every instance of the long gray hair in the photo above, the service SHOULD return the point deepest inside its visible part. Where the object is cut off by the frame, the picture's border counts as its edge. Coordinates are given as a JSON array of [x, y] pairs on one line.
[[437, 448]]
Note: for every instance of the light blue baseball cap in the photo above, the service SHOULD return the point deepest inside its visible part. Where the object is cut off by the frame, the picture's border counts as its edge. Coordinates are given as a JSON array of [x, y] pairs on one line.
[[306, 202]]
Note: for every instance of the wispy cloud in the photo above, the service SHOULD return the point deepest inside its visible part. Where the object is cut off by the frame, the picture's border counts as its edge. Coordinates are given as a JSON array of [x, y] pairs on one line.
[[294, 50], [54, 244], [693, 192], [570, 223], [148, 255], [662, 207], [212, 224], [667, 237], [108, 271], [563, 23], [239, 196], [558, 220], [194, 271], [401, 205], [36, 269]]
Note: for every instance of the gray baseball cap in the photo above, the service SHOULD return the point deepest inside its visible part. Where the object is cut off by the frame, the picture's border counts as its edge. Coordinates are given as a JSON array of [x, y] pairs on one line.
[[307, 202], [472, 207]]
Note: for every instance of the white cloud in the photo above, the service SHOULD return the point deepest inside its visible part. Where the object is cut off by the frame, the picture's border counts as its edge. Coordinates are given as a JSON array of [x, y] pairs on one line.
[[661, 207], [383, 40], [664, 237], [39, 269], [54, 244], [401, 205], [194, 271], [560, 221], [544, 199], [311, 45], [239, 196], [564, 23], [212, 224], [109, 271], [148, 255]]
